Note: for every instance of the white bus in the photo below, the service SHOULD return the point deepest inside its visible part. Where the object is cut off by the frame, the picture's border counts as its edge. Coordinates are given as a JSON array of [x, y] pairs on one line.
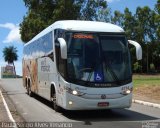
[[80, 65]]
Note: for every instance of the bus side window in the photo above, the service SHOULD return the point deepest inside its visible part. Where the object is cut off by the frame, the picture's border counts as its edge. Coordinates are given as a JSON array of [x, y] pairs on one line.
[[49, 46]]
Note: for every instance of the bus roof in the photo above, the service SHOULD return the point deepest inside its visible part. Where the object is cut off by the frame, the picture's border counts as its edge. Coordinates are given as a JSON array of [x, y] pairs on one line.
[[77, 25]]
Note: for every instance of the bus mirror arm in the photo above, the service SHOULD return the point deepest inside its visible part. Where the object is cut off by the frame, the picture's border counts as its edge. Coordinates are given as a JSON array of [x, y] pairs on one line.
[[63, 48], [138, 49]]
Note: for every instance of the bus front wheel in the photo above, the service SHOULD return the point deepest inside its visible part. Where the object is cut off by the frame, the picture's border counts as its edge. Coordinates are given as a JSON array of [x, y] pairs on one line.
[[55, 106]]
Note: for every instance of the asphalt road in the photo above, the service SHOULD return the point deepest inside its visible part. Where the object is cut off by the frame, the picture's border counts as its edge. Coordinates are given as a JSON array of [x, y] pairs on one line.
[[36, 109]]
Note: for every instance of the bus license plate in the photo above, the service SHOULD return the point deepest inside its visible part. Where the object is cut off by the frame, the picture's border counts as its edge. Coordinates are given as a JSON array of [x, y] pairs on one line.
[[103, 104]]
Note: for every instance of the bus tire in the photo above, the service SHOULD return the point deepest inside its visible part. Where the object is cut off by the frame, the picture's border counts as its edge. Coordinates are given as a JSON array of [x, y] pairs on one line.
[[25, 83], [29, 91], [54, 100], [55, 106]]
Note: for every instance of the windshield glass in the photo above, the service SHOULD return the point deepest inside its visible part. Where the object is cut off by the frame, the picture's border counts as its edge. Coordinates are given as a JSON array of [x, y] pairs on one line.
[[97, 58]]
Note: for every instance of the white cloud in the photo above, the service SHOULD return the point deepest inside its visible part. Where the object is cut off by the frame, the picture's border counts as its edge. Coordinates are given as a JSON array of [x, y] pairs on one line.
[[7, 25], [110, 1], [13, 35]]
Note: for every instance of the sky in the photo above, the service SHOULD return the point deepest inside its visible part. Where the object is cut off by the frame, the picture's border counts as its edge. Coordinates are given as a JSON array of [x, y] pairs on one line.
[[13, 11]]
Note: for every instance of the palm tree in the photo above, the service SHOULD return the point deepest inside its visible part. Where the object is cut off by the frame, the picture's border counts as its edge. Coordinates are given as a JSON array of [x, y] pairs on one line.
[[10, 55]]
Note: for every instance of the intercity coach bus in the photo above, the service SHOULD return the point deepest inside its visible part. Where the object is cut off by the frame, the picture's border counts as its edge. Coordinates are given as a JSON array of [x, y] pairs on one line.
[[80, 65]]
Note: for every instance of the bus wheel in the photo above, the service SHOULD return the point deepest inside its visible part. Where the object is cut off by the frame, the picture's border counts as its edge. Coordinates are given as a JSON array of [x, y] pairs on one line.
[[29, 92], [55, 106]]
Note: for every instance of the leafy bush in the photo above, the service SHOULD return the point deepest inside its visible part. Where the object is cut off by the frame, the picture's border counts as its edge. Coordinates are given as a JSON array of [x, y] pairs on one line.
[[137, 67]]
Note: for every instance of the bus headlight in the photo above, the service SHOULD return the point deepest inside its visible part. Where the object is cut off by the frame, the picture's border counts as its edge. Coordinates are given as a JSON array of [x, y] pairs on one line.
[[126, 92], [70, 102], [77, 93], [74, 92]]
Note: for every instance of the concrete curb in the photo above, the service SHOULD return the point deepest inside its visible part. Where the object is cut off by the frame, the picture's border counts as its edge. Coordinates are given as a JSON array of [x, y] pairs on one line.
[[146, 103]]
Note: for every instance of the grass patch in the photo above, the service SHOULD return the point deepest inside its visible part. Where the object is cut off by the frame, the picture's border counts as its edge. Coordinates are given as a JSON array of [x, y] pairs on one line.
[[147, 88], [146, 80]]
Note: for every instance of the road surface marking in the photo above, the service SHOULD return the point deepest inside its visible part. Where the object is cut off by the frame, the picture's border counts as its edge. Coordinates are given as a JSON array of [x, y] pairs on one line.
[[8, 111]]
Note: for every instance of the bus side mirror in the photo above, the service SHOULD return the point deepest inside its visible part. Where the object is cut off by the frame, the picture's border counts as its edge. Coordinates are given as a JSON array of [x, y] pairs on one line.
[[63, 48], [138, 49]]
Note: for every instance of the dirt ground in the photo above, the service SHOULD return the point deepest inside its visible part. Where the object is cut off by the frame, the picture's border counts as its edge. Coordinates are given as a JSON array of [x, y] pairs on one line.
[[147, 93]]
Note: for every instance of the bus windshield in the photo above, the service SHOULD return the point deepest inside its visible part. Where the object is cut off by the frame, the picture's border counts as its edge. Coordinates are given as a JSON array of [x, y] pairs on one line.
[[98, 58]]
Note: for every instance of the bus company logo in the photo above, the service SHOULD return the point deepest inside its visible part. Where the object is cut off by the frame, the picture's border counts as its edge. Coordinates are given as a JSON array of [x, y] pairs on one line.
[[44, 66], [103, 96], [103, 85]]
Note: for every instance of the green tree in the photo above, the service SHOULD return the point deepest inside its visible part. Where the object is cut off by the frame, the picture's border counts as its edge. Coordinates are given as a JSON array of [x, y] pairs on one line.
[[42, 13], [157, 7], [145, 33], [96, 10], [143, 27], [146, 26], [118, 18], [67, 9], [156, 48], [10, 55], [157, 18], [152, 68], [137, 67], [129, 24], [39, 16]]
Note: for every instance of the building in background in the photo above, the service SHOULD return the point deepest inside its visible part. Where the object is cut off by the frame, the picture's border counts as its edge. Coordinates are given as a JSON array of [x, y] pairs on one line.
[[7, 72]]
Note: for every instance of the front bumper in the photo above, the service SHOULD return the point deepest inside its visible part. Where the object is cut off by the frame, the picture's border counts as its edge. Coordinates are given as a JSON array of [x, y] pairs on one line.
[[79, 103]]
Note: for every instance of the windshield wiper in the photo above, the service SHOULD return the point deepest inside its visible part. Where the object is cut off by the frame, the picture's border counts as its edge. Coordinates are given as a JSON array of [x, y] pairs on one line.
[[114, 76]]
